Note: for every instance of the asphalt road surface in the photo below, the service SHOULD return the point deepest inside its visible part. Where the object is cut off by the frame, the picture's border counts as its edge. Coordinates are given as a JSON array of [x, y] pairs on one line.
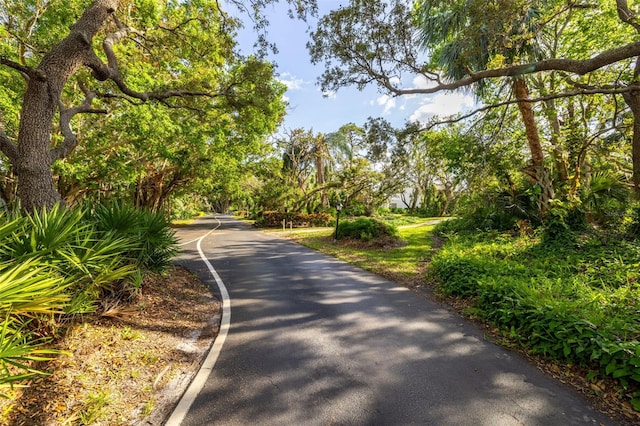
[[315, 341]]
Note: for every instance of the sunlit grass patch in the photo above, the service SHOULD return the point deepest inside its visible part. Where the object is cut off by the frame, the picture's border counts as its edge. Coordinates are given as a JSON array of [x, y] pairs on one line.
[[403, 263]]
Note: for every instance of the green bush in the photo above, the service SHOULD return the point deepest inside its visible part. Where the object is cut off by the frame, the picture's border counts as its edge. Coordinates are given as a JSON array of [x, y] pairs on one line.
[[555, 231], [496, 209], [366, 229], [152, 242], [63, 261], [576, 303], [28, 290], [90, 261], [271, 219]]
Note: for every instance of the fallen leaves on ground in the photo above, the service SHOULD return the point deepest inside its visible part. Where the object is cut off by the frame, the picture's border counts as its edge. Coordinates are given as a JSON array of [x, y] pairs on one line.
[[128, 366]]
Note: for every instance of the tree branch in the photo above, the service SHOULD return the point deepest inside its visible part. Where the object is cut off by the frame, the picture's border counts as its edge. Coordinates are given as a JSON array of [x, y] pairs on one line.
[[626, 15], [584, 92], [111, 71], [27, 72], [70, 138], [573, 66]]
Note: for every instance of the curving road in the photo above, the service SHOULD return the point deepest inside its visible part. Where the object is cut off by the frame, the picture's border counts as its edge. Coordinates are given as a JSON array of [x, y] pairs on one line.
[[315, 341]]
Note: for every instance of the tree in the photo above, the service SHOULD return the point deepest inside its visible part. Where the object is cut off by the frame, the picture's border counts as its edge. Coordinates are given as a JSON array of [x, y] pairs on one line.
[[149, 153], [346, 143], [305, 164], [373, 42], [172, 53]]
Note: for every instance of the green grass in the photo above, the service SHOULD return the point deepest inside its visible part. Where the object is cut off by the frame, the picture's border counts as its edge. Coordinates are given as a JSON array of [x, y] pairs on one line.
[[402, 264]]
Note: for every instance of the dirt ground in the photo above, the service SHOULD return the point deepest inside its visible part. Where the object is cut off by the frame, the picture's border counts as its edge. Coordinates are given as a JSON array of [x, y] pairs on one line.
[[129, 365]]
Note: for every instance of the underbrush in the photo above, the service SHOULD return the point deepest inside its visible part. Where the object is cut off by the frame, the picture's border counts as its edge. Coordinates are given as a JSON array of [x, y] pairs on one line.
[[577, 302], [60, 263], [366, 229]]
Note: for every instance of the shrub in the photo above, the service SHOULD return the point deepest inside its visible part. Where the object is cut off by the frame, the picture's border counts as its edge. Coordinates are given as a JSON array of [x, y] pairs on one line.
[[27, 291], [496, 209], [272, 219], [64, 261], [151, 239], [605, 197], [366, 229], [578, 304], [555, 231]]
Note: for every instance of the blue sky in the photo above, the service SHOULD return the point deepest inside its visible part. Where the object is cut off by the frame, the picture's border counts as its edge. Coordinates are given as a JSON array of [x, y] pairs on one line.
[[310, 109]]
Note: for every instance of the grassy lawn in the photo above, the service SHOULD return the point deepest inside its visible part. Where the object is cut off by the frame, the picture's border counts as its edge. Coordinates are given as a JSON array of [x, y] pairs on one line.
[[578, 305], [403, 264]]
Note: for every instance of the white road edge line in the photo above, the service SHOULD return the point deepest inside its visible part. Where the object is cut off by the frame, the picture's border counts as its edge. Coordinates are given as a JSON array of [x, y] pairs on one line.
[[179, 413]]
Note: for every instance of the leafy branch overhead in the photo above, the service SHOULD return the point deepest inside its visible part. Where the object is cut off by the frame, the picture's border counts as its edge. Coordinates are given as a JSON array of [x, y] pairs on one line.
[[114, 54], [547, 51]]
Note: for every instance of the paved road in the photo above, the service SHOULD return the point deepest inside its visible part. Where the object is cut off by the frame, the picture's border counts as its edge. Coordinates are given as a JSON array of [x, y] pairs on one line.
[[315, 341]]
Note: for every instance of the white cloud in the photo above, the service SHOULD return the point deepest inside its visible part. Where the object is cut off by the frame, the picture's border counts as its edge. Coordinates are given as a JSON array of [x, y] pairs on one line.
[[291, 81], [395, 81], [442, 104], [387, 101], [329, 94], [421, 82]]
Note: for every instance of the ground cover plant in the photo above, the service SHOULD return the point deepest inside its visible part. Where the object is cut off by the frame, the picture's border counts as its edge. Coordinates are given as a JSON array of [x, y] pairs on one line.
[[577, 303], [56, 264]]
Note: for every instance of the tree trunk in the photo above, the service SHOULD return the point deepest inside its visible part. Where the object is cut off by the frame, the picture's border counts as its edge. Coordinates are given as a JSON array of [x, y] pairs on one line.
[[632, 99], [558, 155], [33, 158], [537, 170]]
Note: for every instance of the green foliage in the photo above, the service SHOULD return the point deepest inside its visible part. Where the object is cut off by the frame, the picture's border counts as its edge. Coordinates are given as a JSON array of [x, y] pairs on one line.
[[495, 209], [556, 231], [574, 302], [364, 228], [90, 262], [27, 290], [19, 348], [152, 242], [60, 262], [299, 220], [605, 198]]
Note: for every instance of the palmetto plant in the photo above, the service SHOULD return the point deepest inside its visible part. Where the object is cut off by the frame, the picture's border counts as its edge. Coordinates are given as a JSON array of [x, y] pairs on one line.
[[19, 348], [153, 243], [27, 290], [64, 261], [607, 191]]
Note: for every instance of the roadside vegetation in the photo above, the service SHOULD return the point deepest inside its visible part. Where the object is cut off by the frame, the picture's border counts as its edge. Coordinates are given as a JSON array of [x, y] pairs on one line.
[[59, 265], [571, 300]]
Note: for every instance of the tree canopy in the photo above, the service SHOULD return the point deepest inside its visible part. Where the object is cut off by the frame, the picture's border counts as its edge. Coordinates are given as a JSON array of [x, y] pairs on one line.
[[550, 51], [64, 61]]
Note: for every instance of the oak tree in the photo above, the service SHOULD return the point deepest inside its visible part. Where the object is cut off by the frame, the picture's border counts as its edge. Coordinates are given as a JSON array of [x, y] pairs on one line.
[[70, 58]]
